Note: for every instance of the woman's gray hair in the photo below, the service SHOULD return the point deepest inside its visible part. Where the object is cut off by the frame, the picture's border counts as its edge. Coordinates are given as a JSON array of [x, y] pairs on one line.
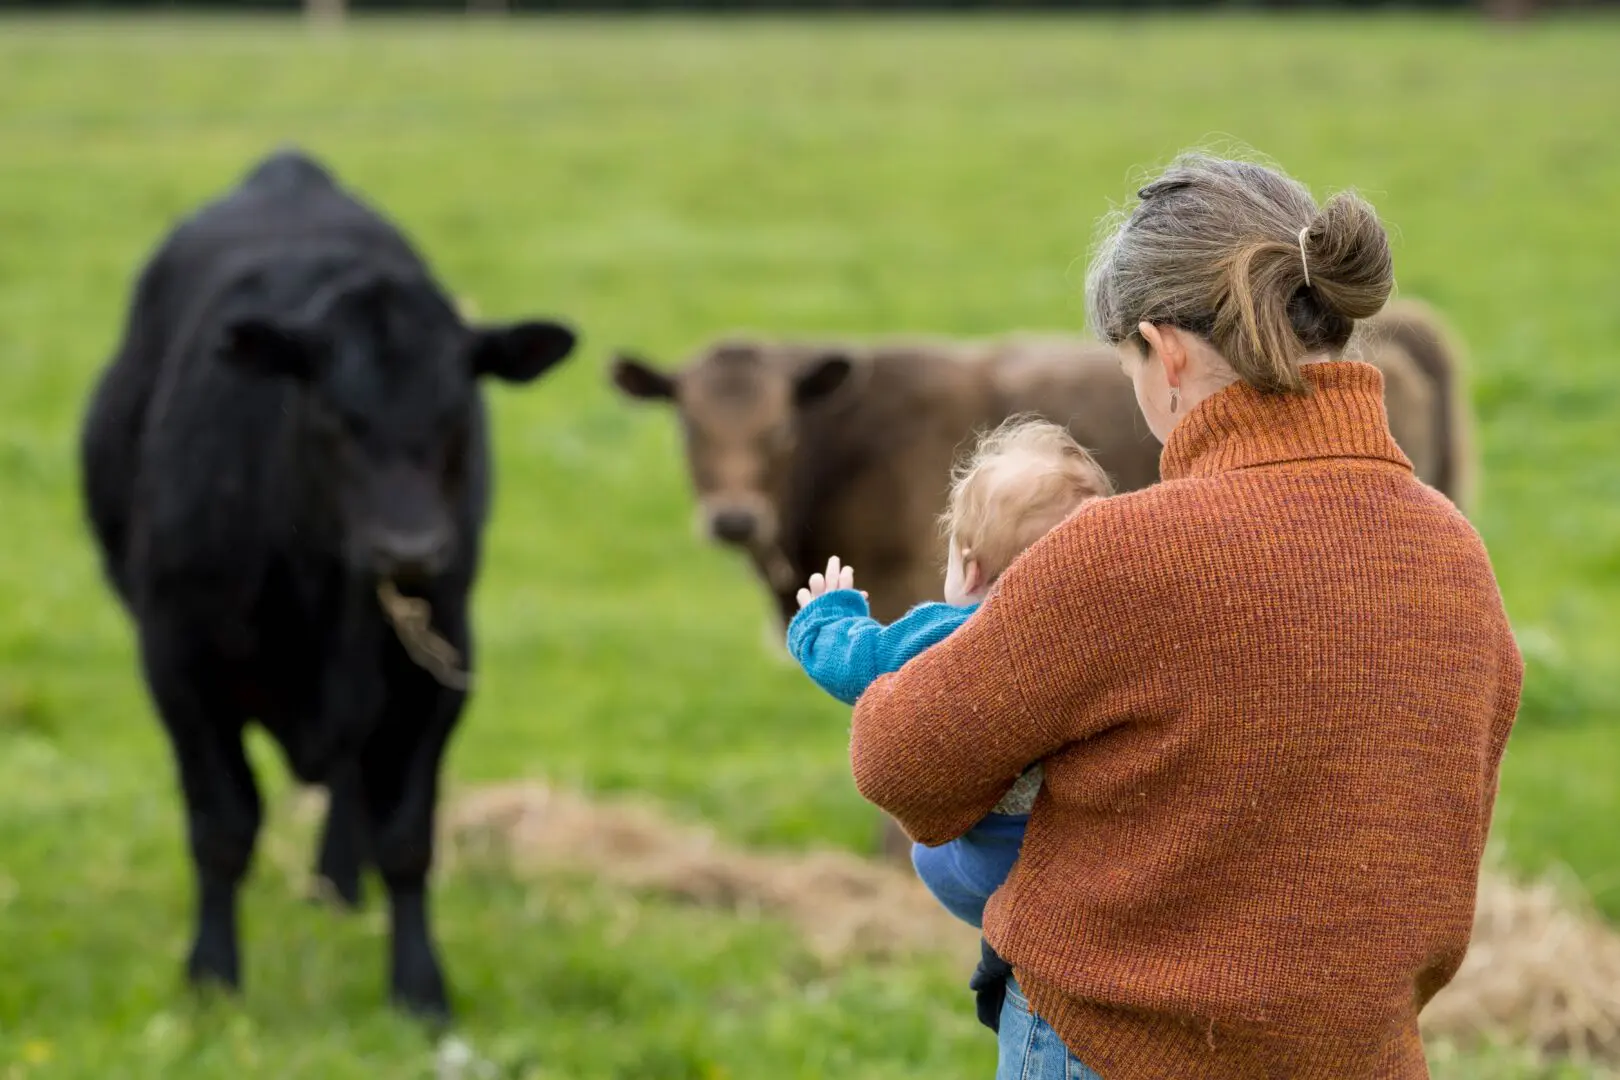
[[1241, 255]]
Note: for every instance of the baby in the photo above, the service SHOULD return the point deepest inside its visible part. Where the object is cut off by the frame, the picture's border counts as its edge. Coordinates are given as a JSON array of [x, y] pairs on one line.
[[1022, 480]]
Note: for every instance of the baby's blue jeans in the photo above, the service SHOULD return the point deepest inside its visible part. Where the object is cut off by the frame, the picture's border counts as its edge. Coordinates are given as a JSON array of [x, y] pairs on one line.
[[1030, 1049]]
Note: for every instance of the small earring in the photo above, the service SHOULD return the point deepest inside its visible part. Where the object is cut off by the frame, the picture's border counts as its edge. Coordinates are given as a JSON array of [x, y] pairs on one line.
[[1175, 399]]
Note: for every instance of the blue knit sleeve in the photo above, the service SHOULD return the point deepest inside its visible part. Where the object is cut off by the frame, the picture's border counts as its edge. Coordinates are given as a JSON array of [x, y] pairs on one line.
[[840, 646]]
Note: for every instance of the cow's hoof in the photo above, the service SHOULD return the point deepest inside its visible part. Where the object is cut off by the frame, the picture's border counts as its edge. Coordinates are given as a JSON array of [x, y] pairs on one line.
[[213, 971], [340, 895], [426, 1005], [417, 987]]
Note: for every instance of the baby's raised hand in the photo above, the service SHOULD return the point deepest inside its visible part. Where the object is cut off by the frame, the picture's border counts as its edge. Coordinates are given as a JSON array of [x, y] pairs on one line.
[[838, 576]]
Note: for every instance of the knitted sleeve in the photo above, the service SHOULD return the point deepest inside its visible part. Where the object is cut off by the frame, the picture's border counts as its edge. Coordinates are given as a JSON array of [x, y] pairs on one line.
[[1510, 687], [938, 743], [843, 648]]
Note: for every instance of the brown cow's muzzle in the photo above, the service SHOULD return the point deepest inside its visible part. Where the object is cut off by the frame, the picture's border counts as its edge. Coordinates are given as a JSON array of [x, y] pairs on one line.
[[733, 526], [739, 522], [751, 526]]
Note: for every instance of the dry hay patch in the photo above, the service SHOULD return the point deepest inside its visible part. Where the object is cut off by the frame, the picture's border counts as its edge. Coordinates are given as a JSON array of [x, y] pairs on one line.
[[1543, 971], [844, 905]]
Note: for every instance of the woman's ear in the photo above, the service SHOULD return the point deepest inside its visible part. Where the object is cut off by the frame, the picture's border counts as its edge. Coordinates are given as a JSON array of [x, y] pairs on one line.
[[1171, 348]]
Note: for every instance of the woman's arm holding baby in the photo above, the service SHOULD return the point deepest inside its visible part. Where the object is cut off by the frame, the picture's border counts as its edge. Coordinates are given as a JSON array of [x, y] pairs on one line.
[[938, 744]]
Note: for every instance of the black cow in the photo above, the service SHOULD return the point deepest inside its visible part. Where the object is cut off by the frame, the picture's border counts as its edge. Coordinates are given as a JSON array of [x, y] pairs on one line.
[[292, 427]]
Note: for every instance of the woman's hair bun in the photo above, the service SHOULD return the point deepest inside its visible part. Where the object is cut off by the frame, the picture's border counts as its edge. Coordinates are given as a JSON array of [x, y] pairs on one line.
[[1240, 253], [1346, 258]]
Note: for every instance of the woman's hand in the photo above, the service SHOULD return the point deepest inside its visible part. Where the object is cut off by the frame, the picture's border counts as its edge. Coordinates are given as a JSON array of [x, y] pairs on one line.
[[838, 576]]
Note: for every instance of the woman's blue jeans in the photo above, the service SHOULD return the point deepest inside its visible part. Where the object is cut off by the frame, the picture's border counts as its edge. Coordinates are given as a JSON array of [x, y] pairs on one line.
[[1029, 1048]]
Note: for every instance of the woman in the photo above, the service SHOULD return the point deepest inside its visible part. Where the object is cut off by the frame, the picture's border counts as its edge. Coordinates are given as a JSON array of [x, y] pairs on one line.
[[1270, 693]]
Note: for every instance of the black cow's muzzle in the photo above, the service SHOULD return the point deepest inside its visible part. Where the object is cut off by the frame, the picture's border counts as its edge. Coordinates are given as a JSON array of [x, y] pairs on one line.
[[408, 557]]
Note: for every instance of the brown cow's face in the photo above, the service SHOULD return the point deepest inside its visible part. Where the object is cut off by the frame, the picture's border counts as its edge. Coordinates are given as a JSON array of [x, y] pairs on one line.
[[739, 406]]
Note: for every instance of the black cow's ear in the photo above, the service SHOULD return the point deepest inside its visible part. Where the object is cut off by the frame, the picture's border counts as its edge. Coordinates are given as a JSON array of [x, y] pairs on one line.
[[820, 378], [521, 352], [636, 379], [269, 348]]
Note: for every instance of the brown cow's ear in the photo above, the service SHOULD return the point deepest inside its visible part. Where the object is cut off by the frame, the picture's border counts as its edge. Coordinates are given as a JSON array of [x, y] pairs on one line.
[[638, 380], [522, 352], [272, 349], [820, 378]]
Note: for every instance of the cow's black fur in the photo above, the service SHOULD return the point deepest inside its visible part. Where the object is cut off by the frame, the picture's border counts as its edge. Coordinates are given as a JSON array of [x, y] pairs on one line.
[[294, 415]]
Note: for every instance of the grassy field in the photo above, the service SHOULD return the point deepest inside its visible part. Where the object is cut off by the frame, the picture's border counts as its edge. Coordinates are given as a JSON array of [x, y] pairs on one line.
[[659, 182]]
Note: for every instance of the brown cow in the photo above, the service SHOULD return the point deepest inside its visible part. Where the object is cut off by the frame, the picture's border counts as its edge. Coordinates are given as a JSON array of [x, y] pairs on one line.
[[800, 450]]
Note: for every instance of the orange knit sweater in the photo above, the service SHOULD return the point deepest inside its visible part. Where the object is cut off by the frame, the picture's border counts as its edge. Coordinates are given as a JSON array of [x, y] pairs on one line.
[[1271, 694]]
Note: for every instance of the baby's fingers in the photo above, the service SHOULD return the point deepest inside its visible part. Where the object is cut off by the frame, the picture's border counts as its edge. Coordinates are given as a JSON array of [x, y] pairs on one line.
[[804, 597], [818, 584], [846, 578]]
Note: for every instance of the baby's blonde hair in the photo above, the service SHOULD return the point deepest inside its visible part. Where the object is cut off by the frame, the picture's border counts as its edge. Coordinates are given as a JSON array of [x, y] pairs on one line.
[[1021, 480]]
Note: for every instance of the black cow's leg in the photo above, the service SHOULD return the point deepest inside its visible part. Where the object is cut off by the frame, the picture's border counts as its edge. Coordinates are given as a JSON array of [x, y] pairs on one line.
[[349, 699], [343, 841], [400, 770], [223, 810], [401, 789]]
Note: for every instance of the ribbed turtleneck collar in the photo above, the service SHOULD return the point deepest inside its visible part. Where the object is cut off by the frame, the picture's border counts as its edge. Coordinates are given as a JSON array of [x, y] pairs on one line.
[[1239, 427]]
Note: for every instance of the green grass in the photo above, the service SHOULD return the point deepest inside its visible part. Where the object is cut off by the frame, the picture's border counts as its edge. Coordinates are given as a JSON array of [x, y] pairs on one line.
[[660, 182]]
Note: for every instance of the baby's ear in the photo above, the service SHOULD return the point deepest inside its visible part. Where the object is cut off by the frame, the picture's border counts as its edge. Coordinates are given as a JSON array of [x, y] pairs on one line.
[[972, 574]]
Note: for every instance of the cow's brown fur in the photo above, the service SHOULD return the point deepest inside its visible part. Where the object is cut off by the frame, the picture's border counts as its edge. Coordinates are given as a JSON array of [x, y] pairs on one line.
[[1426, 394], [858, 463], [863, 471]]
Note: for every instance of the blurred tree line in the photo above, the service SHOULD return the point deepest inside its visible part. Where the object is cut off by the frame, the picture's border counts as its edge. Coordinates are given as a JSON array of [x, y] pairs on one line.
[[336, 9]]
